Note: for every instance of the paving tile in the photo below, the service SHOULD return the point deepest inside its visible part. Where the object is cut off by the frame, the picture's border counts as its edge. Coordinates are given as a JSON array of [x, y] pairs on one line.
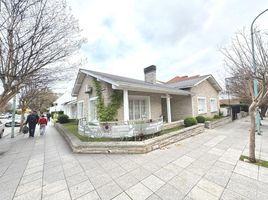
[[109, 191], [229, 195], [199, 194], [184, 161], [153, 197], [31, 177], [54, 187], [263, 174], [75, 179], [73, 171], [51, 178], [216, 151], [165, 174], [100, 180], [242, 189], [210, 187], [33, 170], [81, 189], [218, 175], [90, 196], [122, 196], [64, 195], [185, 181], [139, 192], [32, 194], [168, 192], [153, 183], [116, 172], [126, 181], [24, 188], [140, 173]]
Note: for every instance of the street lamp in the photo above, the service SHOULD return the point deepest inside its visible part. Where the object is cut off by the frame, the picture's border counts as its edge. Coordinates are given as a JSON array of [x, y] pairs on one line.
[[255, 83], [13, 111], [13, 116]]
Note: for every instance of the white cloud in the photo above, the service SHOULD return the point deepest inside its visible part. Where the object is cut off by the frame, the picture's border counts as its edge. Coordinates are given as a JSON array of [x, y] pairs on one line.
[[179, 37]]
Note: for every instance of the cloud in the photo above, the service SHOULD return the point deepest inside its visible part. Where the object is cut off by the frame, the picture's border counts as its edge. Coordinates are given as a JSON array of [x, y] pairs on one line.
[[180, 37]]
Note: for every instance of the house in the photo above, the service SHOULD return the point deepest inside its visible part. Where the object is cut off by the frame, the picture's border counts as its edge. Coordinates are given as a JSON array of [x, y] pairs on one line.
[[205, 93], [145, 99], [67, 104]]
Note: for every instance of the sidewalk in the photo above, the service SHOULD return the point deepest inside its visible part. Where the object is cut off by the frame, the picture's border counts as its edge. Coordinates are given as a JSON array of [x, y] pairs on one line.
[[206, 167]]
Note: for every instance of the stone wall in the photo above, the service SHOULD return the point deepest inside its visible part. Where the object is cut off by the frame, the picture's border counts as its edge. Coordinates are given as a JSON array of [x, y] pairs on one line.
[[138, 147], [216, 123]]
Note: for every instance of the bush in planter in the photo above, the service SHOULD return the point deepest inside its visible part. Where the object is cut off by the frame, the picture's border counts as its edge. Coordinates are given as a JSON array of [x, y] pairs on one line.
[[200, 119], [190, 121], [209, 119], [63, 119], [217, 117]]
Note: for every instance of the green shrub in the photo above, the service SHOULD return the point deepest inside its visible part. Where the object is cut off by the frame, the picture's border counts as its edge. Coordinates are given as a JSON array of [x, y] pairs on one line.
[[190, 121], [217, 117], [209, 119], [63, 119], [60, 112], [200, 119]]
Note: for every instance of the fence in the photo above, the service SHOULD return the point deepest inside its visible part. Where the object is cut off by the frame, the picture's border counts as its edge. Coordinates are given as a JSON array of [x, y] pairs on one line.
[[120, 129]]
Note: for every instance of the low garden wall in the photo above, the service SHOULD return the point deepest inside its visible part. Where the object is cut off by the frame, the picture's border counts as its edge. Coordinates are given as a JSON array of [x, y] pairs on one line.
[[216, 123], [173, 124], [130, 147]]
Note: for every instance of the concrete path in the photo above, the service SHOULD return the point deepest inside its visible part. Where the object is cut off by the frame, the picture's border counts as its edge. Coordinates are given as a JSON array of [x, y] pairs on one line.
[[205, 167]]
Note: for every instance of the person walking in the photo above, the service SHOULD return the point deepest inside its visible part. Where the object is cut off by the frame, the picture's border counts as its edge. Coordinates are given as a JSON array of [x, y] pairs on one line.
[[42, 122], [48, 116], [32, 120]]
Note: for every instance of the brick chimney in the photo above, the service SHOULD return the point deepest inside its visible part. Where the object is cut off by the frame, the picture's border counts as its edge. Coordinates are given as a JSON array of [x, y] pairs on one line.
[[150, 74]]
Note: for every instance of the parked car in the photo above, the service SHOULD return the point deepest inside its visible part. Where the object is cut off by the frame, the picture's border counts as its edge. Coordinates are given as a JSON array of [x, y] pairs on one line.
[[5, 115], [2, 129], [17, 122]]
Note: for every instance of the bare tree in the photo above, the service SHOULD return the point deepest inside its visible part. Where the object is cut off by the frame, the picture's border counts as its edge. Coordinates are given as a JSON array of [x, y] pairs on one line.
[[238, 59], [34, 35]]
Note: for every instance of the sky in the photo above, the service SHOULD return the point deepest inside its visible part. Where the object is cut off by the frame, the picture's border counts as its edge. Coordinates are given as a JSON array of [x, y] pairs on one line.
[[180, 37]]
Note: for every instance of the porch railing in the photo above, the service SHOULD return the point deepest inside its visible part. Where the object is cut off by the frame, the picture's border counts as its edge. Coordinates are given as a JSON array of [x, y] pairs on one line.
[[120, 129]]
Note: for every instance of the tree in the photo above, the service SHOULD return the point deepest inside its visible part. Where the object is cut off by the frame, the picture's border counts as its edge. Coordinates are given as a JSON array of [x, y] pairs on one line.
[[238, 59], [34, 35], [35, 98]]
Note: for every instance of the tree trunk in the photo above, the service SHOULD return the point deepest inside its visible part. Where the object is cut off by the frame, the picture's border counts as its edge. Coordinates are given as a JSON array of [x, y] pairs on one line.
[[22, 119], [252, 114]]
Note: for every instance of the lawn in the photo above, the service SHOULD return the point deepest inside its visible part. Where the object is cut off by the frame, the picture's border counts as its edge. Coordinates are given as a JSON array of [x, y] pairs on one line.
[[262, 163], [72, 127]]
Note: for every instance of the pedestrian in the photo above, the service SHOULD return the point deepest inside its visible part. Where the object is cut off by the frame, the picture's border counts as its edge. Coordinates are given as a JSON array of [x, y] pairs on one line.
[[48, 116], [32, 120], [42, 122]]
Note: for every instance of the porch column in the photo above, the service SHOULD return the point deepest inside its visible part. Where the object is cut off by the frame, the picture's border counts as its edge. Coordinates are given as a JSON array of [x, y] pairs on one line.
[[126, 108], [168, 108]]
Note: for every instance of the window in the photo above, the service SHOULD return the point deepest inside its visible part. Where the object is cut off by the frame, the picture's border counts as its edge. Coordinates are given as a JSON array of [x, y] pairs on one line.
[[139, 107], [80, 108], [202, 107], [213, 105], [93, 109]]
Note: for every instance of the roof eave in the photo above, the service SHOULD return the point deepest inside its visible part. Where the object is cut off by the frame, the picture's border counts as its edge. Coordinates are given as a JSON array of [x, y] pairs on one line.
[[152, 90]]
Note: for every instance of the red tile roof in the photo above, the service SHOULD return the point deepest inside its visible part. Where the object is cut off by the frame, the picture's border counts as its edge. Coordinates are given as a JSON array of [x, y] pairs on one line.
[[181, 78]]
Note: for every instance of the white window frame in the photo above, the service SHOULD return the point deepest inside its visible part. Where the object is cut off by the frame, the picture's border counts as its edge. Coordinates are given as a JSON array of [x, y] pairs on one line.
[[147, 103], [205, 108], [79, 114], [211, 105], [89, 110]]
